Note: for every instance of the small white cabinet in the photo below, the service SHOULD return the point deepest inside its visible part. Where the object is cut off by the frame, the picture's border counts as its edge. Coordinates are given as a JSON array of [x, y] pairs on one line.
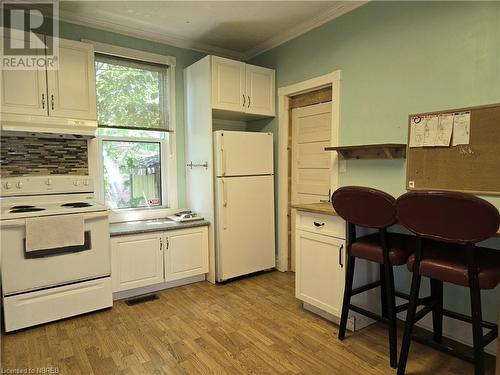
[[186, 253], [320, 261], [137, 261], [140, 260], [242, 88], [67, 92], [71, 88]]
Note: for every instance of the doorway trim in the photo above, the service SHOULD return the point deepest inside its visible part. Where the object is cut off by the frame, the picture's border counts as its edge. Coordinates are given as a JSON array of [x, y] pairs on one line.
[[332, 79]]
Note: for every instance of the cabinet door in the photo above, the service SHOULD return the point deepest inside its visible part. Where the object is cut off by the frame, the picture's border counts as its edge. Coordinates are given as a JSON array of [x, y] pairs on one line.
[[228, 84], [260, 90], [136, 261], [186, 253], [320, 270], [71, 88], [24, 91]]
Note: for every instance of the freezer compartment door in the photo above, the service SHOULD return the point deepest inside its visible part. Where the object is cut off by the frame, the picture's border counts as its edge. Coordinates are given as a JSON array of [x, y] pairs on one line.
[[245, 225], [243, 153]]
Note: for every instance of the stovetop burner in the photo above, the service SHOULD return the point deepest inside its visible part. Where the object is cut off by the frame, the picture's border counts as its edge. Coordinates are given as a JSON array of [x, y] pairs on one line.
[[76, 204], [26, 209], [22, 206]]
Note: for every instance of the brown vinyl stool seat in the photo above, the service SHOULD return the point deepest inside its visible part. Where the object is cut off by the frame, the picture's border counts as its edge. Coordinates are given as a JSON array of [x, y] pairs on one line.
[[401, 246], [447, 263], [448, 225], [364, 207]]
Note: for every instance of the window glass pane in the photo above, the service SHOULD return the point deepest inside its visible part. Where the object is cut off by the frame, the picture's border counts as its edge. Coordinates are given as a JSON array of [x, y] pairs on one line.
[[127, 133], [130, 94], [132, 176]]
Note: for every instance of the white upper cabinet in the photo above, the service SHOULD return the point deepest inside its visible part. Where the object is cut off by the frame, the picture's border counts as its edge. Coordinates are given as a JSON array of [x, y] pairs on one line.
[[24, 91], [242, 89], [60, 101], [228, 84], [260, 90], [71, 88]]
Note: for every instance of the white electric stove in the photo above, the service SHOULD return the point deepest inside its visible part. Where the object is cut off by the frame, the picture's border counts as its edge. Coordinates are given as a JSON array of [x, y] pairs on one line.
[[60, 282]]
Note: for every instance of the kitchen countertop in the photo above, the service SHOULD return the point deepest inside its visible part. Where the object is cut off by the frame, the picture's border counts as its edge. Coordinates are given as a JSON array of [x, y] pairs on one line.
[[156, 225], [324, 208]]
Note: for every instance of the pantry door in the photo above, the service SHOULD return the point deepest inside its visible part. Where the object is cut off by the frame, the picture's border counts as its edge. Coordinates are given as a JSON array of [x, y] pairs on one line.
[[310, 163]]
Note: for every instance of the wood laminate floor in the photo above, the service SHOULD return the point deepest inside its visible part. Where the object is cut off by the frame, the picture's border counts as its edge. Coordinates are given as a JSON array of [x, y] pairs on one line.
[[250, 326]]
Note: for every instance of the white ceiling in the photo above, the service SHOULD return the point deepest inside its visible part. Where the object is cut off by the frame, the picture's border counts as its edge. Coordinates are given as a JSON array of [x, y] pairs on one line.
[[238, 29]]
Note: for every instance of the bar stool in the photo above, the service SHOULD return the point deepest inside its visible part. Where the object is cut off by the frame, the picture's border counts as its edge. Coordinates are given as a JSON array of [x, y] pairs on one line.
[[448, 225], [371, 208]]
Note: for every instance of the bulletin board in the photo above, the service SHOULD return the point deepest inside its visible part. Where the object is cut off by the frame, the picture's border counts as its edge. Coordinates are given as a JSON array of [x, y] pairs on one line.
[[472, 167]]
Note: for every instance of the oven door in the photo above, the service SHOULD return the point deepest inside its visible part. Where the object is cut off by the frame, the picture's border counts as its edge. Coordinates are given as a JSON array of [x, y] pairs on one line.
[[22, 273]]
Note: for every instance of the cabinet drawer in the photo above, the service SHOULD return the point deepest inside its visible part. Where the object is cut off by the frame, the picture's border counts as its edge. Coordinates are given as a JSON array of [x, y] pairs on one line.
[[322, 224]]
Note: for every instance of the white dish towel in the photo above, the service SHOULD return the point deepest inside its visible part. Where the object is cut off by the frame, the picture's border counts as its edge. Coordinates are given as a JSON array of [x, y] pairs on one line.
[[54, 231]]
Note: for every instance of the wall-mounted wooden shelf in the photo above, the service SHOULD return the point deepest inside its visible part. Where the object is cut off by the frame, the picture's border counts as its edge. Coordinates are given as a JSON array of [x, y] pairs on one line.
[[376, 151]]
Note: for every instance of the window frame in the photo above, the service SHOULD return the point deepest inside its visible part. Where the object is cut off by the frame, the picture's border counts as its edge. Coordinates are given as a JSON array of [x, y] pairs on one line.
[[168, 150]]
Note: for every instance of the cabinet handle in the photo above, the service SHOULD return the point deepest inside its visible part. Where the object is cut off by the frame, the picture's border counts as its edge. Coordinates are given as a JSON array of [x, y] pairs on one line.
[[319, 225], [52, 101], [244, 98], [340, 256], [43, 101], [168, 243], [248, 101], [161, 244]]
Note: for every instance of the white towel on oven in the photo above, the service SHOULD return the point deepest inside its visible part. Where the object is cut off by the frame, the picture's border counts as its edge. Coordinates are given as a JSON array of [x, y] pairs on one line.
[[54, 231]]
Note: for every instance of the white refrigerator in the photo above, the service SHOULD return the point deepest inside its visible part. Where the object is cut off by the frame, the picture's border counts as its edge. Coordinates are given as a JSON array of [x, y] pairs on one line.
[[244, 203]]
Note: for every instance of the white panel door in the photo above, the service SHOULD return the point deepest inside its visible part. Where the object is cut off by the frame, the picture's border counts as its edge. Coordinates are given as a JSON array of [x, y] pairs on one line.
[[71, 88], [245, 225], [136, 261], [24, 91], [228, 84], [319, 276], [260, 90], [186, 253], [243, 153]]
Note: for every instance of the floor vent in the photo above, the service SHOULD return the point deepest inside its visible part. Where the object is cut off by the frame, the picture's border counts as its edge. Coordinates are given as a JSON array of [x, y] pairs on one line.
[[141, 299]]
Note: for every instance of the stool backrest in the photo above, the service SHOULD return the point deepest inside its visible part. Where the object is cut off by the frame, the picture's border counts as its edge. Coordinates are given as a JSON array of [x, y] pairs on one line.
[[365, 206], [448, 216]]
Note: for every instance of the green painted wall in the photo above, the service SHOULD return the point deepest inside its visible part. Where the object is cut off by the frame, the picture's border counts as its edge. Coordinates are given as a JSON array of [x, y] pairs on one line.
[[398, 58], [184, 58]]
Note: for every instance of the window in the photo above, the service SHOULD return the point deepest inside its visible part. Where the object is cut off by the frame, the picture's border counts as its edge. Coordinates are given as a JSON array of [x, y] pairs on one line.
[[134, 138]]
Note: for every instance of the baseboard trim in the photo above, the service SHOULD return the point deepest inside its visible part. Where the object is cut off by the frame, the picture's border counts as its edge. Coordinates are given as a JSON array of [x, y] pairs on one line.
[[156, 287]]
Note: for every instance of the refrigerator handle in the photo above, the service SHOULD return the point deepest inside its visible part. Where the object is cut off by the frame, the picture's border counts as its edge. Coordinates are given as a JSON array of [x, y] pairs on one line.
[[223, 160], [224, 204]]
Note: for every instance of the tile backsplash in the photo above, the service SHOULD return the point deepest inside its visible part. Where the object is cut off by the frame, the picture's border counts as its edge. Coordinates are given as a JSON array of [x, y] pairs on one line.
[[42, 156]]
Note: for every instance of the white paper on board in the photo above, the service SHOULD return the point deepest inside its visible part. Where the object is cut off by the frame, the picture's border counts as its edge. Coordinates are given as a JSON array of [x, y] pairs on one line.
[[430, 132], [461, 128], [444, 129], [417, 131]]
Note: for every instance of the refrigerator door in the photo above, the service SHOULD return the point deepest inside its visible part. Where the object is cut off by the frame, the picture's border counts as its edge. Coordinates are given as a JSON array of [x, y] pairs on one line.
[[245, 225], [243, 153]]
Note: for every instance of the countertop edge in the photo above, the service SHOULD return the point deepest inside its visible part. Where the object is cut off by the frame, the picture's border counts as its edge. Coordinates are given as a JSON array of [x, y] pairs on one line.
[[317, 208], [140, 229]]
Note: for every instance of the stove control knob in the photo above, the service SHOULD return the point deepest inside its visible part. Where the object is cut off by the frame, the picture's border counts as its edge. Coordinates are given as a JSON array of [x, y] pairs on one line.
[[8, 185], [19, 185], [48, 182], [76, 183], [86, 182]]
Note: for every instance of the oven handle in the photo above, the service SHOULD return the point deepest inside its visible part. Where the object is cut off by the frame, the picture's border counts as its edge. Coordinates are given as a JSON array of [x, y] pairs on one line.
[[22, 222]]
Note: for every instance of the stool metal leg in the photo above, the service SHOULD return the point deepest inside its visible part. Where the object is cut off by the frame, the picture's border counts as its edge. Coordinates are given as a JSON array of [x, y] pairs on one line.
[[383, 290], [349, 277], [477, 327], [437, 312], [391, 314]]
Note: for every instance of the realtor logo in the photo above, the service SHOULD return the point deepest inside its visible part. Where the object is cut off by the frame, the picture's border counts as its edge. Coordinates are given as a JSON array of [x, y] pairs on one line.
[[30, 33]]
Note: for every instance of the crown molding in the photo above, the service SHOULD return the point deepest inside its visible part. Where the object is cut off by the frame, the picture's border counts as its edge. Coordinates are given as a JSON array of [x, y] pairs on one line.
[[328, 15], [153, 36]]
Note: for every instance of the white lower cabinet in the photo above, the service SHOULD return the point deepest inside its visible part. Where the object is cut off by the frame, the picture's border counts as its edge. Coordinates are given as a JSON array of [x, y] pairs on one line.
[[320, 262], [137, 261], [186, 253], [320, 271], [141, 260]]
